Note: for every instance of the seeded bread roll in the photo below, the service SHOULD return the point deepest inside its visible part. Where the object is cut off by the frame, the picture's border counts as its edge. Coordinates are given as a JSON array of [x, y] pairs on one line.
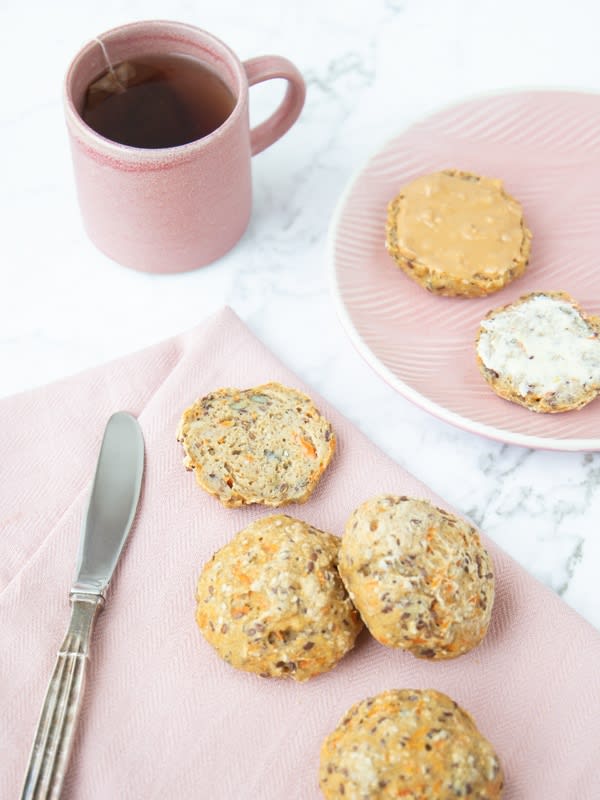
[[419, 576], [264, 445], [456, 233], [412, 744], [272, 602], [542, 352]]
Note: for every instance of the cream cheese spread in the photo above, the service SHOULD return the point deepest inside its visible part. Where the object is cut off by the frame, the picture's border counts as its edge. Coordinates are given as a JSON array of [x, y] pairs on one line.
[[542, 346]]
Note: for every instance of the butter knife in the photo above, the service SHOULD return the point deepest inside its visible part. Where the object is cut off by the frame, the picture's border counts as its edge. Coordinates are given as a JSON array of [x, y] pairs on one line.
[[110, 512]]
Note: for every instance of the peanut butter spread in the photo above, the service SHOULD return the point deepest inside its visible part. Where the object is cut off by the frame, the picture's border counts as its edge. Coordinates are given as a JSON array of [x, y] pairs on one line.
[[459, 224]]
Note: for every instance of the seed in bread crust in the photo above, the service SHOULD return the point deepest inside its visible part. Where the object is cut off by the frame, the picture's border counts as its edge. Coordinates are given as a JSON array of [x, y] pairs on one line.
[[542, 352], [272, 601], [408, 743], [418, 575], [268, 444]]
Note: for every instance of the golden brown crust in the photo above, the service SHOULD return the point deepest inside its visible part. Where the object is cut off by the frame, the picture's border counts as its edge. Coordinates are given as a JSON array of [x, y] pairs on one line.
[[268, 444], [551, 403], [445, 281], [272, 601], [418, 575], [408, 743]]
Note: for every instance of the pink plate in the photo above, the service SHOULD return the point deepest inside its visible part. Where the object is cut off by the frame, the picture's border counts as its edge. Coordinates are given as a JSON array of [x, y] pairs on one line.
[[545, 145]]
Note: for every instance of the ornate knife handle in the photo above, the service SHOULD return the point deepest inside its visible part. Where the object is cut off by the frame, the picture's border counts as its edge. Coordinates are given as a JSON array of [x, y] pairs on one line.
[[56, 728]]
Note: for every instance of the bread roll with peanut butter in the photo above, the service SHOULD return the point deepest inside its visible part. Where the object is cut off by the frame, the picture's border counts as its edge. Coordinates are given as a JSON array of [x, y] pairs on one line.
[[458, 234]]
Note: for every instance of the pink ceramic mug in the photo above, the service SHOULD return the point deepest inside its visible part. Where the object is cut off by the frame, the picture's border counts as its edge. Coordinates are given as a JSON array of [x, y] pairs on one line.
[[177, 208]]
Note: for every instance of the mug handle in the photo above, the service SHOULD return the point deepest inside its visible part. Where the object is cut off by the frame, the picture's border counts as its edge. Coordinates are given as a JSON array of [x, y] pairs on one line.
[[263, 68]]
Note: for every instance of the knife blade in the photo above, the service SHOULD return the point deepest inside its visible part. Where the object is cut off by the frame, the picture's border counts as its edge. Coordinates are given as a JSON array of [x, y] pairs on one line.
[[112, 504], [108, 519]]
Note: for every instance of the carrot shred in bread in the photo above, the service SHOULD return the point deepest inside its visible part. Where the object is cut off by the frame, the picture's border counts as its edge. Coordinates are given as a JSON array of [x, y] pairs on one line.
[[308, 447]]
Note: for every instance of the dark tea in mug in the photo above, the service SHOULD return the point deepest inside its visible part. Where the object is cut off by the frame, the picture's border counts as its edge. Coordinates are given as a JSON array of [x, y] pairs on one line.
[[157, 101]]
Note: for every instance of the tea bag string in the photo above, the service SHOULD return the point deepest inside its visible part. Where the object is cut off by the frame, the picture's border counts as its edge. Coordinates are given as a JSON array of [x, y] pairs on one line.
[[111, 69]]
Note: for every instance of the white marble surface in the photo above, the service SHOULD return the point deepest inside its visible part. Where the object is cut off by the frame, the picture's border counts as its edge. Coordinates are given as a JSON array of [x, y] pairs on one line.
[[372, 66]]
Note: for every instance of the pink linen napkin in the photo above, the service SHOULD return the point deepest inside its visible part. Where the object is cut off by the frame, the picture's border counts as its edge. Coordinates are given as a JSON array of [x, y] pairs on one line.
[[163, 716]]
